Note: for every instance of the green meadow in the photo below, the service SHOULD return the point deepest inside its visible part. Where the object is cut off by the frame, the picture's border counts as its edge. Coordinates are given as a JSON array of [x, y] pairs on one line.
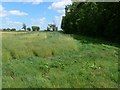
[[57, 60]]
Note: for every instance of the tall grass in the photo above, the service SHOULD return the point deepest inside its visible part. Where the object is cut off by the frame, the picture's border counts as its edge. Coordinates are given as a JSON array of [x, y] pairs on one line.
[[36, 44], [55, 60]]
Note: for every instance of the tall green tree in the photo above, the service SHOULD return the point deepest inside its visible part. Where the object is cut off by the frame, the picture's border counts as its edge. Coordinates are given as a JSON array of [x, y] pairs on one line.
[[93, 19], [52, 26], [24, 26]]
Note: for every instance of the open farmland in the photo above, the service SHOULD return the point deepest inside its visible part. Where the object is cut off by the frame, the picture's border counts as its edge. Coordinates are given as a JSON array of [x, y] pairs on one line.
[[57, 60]]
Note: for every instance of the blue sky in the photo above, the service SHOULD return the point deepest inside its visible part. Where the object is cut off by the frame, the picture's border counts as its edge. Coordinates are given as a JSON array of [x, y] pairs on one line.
[[36, 12]]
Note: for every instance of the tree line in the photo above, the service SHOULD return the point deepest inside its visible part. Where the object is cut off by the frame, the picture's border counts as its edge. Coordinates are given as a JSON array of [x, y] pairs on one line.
[[50, 27], [24, 27], [34, 28], [93, 19]]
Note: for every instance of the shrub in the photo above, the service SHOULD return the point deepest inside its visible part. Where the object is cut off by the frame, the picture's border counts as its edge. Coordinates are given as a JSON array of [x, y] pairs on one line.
[[29, 29], [13, 29], [35, 28]]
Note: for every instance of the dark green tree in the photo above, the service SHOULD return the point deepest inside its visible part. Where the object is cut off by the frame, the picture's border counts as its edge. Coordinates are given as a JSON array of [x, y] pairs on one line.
[[28, 29], [13, 29], [35, 28], [52, 26], [24, 26], [93, 19]]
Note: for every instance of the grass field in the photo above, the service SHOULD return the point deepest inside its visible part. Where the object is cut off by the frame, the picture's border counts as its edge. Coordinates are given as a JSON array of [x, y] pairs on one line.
[[56, 60]]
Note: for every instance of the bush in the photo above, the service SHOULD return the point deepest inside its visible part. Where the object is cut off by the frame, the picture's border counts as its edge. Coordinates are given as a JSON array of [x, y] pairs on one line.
[[35, 28], [8, 29], [13, 29], [29, 29]]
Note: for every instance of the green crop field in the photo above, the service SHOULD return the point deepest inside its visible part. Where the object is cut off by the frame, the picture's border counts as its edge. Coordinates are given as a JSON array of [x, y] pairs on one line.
[[57, 60]]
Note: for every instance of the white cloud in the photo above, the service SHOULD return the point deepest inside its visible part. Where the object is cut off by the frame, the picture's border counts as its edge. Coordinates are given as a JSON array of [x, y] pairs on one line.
[[17, 13], [4, 12], [58, 20], [42, 22], [15, 24], [1, 8], [29, 0], [37, 1], [38, 20], [7, 22], [60, 5]]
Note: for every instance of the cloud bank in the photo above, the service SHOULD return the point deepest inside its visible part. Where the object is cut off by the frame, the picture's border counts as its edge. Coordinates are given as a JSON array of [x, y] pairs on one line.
[[4, 12]]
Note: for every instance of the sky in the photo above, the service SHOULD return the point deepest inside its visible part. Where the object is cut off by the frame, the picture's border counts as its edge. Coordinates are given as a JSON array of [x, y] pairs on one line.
[[13, 13]]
